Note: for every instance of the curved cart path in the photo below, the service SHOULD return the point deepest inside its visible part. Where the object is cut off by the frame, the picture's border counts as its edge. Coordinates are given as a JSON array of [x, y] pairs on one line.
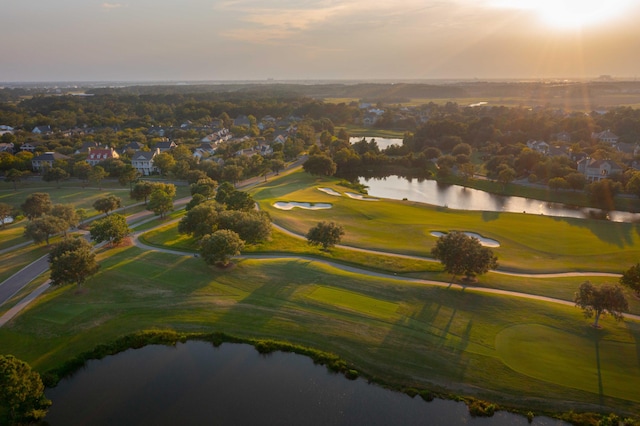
[[367, 272]]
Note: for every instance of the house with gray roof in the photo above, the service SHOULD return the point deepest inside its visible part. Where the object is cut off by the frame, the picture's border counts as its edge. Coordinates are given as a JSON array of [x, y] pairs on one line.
[[596, 170], [45, 160], [142, 161]]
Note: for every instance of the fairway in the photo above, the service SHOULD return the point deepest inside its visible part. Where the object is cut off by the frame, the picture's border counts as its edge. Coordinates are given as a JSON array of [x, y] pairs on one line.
[[528, 243], [597, 365], [406, 334]]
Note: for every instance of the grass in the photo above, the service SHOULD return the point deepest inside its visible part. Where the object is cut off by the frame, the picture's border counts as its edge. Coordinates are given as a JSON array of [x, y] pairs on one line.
[[406, 334], [354, 131], [528, 243]]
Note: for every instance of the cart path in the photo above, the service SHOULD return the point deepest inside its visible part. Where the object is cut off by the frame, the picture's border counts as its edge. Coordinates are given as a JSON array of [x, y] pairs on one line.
[[367, 272]]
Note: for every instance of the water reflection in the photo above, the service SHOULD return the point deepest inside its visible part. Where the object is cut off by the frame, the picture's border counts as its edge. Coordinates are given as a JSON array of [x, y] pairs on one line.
[[383, 143], [195, 383], [462, 198]]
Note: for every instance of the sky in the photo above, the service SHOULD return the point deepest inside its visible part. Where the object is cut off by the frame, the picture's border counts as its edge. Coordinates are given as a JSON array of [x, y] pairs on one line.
[[203, 40]]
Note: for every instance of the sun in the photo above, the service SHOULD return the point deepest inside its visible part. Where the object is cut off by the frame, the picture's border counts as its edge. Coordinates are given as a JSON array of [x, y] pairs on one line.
[[570, 14]]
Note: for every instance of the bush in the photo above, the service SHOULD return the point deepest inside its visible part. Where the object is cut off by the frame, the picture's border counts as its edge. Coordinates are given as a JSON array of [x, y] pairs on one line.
[[478, 408]]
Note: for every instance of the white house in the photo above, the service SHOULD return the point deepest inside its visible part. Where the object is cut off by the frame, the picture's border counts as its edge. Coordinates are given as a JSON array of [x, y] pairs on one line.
[[46, 160], [142, 161], [595, 170]]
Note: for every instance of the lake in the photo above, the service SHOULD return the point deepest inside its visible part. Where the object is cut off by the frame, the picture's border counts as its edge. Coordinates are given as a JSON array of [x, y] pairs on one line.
[[462, 198], [196, 383]]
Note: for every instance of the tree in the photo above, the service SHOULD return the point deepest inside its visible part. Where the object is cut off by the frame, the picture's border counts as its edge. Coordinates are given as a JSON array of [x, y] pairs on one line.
[[631, 278], [252, 226], [82, 214], [67, 213], [112, 228], [461, 254], [164, 161], [506, 175], [326, 234], [234, 199], [232, 173], [82, 170], [36, 205], [201, 220], [97, 175], [141, 191], [205, 186], [595, 301], [557, 183], [128, 174], [195, 200], [160, 202], [5, 213], [107, 204], [72, 261], [576, 180], [320, 165], [220, 246], [277, 165], [54, 174], [21, 392], [15, 176], [603, 192], [42, 228]]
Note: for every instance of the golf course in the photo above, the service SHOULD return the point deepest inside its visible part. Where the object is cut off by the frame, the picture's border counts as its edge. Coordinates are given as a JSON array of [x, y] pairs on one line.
[[378, 301]]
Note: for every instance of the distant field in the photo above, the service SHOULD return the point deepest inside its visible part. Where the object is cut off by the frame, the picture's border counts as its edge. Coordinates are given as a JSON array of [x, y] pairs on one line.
[[574, 104]]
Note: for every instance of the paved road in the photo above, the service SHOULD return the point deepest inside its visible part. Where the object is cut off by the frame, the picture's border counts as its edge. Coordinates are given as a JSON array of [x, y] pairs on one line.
[[15, 283]]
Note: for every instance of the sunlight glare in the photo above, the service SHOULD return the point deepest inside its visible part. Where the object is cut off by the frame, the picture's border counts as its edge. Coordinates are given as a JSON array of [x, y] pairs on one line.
[[567, 14]]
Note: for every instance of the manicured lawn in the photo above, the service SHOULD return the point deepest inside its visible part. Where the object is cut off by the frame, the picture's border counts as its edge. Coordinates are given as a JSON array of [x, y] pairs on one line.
[[528, 243], [403, 333]]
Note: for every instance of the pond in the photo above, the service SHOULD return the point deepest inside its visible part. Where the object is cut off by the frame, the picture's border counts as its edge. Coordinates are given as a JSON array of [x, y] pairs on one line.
[[197, 383], [462, 198], [383, 143]]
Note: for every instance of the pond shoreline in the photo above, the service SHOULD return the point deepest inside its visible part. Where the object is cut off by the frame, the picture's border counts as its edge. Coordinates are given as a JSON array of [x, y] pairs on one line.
[[477, 407]]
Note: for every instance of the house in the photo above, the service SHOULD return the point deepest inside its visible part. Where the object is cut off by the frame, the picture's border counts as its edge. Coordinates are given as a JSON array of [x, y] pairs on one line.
[[142, 161], [264, 149], [6, 147], [29, 147], [628, 148], [279, 139], [5, 129], [558, 151], [538, 146], [42, 130], [595, 170], [242, 121], [562, 137], [607, 137], [166, 146], [97, 155], [131, 147], [46, 160], [86, 146]]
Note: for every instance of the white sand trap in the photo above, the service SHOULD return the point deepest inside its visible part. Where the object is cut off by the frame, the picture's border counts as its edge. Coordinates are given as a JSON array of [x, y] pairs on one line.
[[330, 192], [308, 206], [486, 242], [360, 197]]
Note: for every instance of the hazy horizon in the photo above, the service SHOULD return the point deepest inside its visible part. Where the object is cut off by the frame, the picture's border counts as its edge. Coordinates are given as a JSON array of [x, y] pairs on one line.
[[317, 40]]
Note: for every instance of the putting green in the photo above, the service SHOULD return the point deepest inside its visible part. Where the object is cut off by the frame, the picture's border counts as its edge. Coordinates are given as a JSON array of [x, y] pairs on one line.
[[603, 367]]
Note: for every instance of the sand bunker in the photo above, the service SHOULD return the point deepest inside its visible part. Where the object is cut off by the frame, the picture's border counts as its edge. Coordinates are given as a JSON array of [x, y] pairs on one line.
[[486, 242], [360, 197], [308, 206], [330, 192]]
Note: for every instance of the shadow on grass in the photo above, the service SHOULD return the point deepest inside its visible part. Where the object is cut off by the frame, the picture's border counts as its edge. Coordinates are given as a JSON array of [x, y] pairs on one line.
[[616, 233]]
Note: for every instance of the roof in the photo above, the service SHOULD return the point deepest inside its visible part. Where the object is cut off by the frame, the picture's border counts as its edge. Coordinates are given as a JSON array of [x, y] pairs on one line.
[[50, 156], [144, 155]]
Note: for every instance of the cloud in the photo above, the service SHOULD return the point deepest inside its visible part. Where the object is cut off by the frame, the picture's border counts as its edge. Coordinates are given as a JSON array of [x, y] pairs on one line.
[[112, 5], [285, 21]]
